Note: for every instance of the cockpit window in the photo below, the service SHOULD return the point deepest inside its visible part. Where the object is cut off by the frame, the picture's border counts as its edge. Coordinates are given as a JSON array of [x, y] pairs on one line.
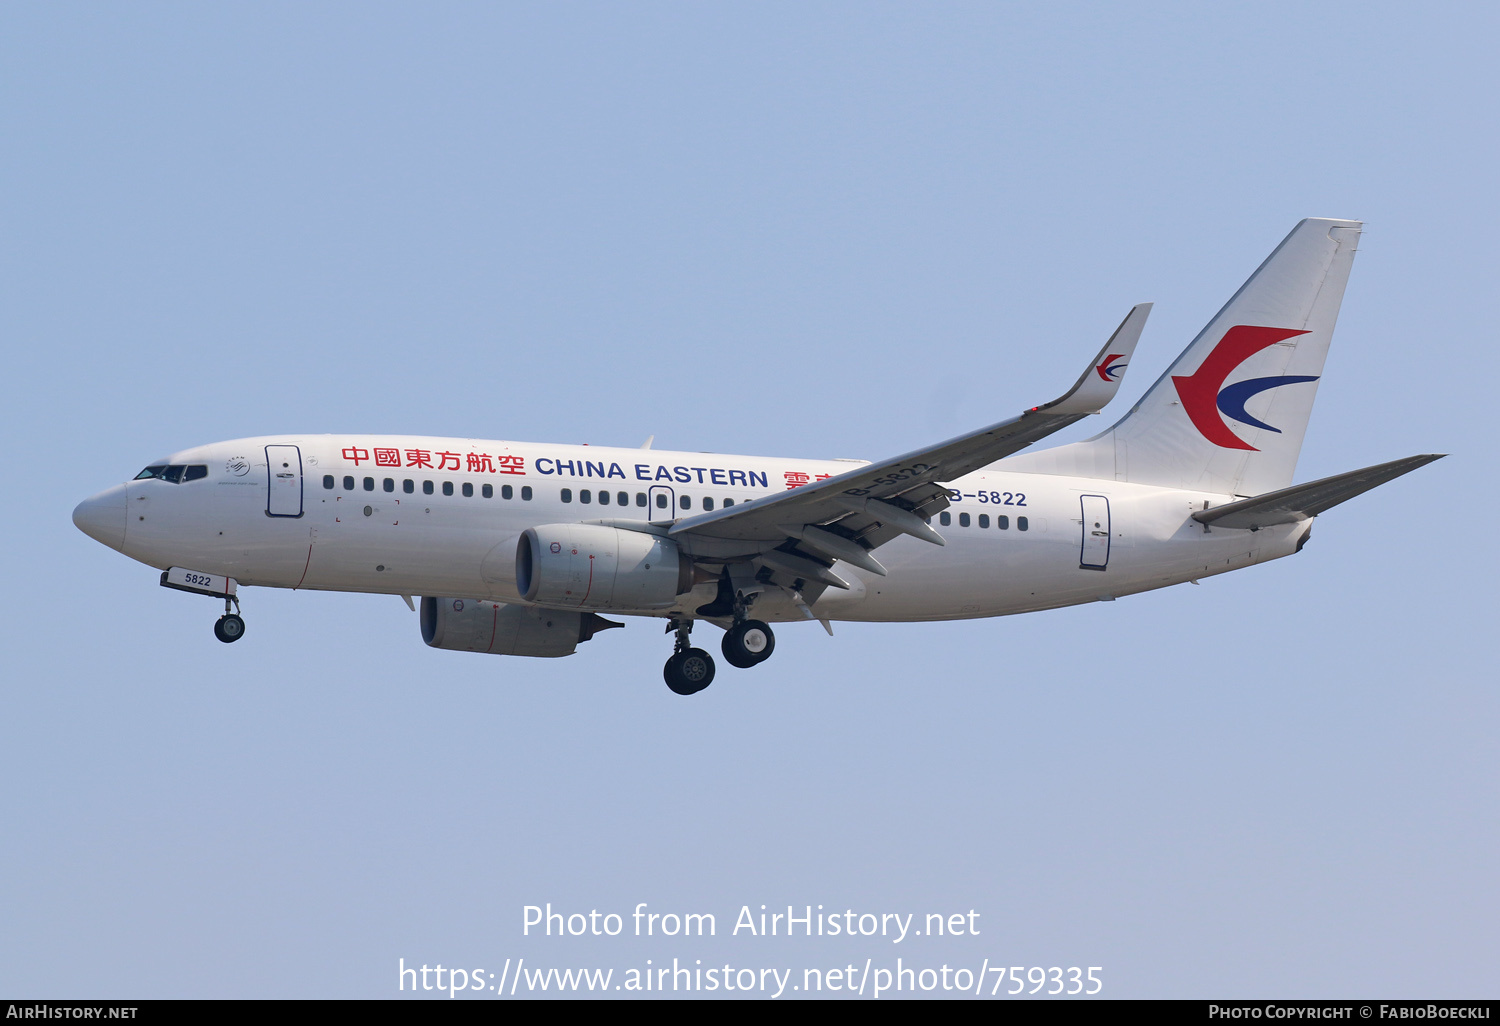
[[176, 473]]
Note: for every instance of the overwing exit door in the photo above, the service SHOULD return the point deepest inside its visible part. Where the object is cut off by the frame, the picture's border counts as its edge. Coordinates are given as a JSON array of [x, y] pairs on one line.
[[663, 503]]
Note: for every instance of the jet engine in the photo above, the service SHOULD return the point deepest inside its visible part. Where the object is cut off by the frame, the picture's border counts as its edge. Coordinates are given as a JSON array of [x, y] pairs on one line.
[[470, 625], [597, 567]]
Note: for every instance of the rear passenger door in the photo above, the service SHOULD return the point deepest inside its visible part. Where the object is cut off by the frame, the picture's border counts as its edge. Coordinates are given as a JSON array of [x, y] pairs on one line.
[[1094, 552]]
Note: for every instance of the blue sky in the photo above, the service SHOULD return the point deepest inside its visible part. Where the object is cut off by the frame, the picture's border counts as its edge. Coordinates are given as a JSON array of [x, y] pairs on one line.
[[797, 229]]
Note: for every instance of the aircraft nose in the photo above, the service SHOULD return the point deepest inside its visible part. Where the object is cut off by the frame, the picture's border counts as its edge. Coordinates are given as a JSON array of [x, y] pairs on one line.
[[102, 517]]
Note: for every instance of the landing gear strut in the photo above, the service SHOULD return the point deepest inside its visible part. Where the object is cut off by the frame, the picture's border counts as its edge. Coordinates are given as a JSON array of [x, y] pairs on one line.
[[231, 626], [747, 642], [690, 670]]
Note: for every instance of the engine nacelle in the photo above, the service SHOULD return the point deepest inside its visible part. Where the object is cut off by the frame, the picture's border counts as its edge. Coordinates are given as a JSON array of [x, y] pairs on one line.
[[598, 567], [470, 625]]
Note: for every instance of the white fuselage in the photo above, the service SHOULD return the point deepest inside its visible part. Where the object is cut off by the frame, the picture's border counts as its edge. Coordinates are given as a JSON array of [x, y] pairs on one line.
[[455, 531]]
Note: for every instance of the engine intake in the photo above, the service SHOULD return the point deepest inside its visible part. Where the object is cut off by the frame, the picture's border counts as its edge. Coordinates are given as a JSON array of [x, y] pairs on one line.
[[597, 567], [470, 625]]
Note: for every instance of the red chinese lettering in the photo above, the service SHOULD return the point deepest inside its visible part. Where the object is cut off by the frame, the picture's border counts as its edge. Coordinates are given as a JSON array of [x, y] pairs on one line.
[[796, 479], [480, 463], [511, 464], [444, 457], [418, 458], [354, 455], [822, 477], [388, 457]]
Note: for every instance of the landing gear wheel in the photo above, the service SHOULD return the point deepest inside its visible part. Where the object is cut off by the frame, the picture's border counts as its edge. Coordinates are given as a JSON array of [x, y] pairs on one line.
[[689, 672], [229, 628], [747, 643]]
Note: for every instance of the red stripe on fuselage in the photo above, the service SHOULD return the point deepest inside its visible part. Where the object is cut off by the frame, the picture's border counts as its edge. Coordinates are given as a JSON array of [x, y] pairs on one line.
[[304, 567]]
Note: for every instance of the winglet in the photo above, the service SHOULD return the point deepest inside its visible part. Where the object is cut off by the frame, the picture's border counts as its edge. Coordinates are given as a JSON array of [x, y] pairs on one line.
[[1101, 381]]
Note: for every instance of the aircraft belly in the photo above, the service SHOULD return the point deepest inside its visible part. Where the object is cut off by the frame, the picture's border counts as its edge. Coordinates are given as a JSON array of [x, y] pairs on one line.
[[971, 576]]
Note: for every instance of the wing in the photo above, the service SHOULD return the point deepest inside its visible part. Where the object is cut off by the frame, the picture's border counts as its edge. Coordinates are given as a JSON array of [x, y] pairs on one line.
[[800, 534]]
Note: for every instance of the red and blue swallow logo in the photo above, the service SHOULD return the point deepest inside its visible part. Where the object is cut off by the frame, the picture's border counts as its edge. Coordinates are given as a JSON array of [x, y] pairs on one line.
[[1109, 370], [1204, 396]]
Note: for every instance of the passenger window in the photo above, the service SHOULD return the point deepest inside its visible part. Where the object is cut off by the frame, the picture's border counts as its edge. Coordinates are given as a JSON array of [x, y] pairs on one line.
[[389, 484], [603, 498], [584, 495], [348, 483], [567, 495], [426, 487], [622, 498], [984, 520], [661, 501], [1022, 524], [640, 498], [1003, 523], [408, 486], [507, 492], [945, 519], [963, 520], [687, 502], [196, 471], [447, 487], [488, 491], [708, 503], [328, 481], [728, 503], [468, 489], [369, 484], [526, 493]]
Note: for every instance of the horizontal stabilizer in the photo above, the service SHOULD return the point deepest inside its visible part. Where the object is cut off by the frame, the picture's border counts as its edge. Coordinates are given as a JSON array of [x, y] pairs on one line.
[[1302, 502]]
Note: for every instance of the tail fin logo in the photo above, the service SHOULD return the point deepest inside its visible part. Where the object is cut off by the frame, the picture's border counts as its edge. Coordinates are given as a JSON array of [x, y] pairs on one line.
[[1109, 370], [1204, 396]]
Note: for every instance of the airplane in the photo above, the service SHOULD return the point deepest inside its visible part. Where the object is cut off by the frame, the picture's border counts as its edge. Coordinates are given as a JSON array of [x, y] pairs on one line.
[[520, 548]]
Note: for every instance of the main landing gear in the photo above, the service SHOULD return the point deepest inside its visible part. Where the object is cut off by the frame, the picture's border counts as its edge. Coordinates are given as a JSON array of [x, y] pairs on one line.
[[690, 670], [231, 626], [746, 643]]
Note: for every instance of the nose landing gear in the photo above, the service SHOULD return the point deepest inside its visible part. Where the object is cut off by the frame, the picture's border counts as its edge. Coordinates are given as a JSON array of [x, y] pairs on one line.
[[231, 626], [690, 670]]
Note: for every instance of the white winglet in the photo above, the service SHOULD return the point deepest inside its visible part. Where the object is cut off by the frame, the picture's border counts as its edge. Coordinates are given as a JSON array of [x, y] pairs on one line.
[[1101, 381]]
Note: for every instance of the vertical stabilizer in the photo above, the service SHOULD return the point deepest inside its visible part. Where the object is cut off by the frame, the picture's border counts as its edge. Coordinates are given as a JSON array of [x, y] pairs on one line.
[[1230, 414]]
